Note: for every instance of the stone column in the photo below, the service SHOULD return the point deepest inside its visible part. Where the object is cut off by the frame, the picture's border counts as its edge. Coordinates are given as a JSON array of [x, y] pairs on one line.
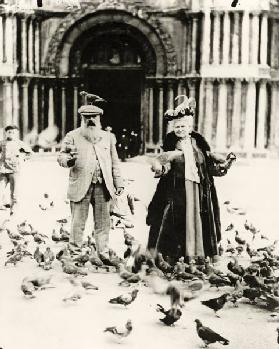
[[250, 118], [274, 131], [1, 39], [184, 48], [226, 37], [150, 114], [206, 37], [37, 47], [181, 90], [25, 107], [216, 38], [16, 104], [192, 88], [63, 109], [221, 130], [35, 106], [8, 102], [262, 115], [235, 140], [255, 38], [30, 47], [15, 41], [23, 45], [264, 39], [51, 117], [75, 106], [245, 38], [201, 106], [194, 44], [160, 113], [235, 42], [170, 103], [208, 116], [9, 39], [42, 116]]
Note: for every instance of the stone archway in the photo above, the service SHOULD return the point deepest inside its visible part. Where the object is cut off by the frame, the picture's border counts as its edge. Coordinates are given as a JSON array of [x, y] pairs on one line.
[[57, 61], [157, 48]]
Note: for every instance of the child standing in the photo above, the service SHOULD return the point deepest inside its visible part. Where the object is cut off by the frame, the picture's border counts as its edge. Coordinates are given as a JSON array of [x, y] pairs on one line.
[[13, 152]]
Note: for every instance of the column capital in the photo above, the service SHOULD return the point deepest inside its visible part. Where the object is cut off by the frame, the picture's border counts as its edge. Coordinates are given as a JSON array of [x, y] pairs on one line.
[[216, 13], [255, 13], [6, 79], [192, 82], [263, 81], [221, 80], [159, 83], [171, 82]]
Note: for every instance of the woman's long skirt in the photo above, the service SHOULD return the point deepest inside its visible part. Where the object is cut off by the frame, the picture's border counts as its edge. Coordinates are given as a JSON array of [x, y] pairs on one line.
[[181, 229]]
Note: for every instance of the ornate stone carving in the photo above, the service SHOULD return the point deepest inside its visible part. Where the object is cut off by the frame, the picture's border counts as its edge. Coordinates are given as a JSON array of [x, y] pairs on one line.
[[55, 50]]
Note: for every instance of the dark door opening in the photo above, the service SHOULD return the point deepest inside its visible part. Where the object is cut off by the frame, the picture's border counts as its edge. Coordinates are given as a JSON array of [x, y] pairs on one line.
[[122, 91]]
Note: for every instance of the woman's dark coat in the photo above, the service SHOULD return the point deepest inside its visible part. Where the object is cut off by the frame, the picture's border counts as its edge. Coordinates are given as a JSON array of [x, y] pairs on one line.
[[208, 197]]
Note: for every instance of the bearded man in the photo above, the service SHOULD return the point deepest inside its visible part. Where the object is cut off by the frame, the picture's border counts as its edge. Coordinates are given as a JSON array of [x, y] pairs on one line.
[[94, 178]]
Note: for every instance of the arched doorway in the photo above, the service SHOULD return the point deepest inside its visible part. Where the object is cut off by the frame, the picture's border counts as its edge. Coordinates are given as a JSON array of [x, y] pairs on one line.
[[127, 57], [111, 61]]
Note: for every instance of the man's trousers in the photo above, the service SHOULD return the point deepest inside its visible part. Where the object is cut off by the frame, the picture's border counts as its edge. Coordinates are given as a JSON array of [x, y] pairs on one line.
[[99, 197]]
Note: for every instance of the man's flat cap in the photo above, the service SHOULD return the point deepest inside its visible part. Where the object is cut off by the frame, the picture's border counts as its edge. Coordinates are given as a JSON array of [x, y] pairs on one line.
[[90, 110]]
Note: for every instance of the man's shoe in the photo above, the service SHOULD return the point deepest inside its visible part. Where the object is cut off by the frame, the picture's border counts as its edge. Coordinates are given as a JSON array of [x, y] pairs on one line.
[[106, 260]]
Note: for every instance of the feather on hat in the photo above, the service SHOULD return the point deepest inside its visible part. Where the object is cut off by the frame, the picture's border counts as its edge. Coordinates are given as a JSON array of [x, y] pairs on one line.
[[187, 107]]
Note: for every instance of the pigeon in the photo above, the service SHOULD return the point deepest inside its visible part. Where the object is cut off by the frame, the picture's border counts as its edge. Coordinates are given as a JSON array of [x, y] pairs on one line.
[[70, 268], [235, 268], [162, 264], [81, 259], [56, 237], [171, 316], [75, 296], [252, 253], [229, 227], [14, 259], [218, 281], [234, 3], [41, 282], [28, 288], [216, 304], [94, 259], [208, 336], [88, 286], [252, 294], [126, 299], [175, 295], [120, 333], [25, 228], [129, 239], [238, 239], [236, 294], [39, 238], [272, 302], [38, 256], [48, 258], [90, 98], [233, 278], [255, 282]]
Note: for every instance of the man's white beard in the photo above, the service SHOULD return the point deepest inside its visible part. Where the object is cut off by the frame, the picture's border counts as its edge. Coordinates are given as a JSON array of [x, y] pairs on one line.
[[91, 133]]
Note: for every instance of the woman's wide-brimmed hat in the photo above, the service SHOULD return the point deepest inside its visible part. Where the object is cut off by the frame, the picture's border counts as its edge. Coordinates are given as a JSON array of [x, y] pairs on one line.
[[187, 107]]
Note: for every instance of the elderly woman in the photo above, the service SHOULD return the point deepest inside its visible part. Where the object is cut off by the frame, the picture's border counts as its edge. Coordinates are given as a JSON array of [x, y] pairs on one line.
[[184, 214]]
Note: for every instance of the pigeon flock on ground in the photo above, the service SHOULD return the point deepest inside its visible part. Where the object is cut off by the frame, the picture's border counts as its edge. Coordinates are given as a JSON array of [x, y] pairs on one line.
[[251, 272]]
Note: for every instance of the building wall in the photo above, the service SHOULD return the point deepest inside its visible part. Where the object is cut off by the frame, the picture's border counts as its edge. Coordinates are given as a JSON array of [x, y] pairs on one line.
[[227, 58]]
